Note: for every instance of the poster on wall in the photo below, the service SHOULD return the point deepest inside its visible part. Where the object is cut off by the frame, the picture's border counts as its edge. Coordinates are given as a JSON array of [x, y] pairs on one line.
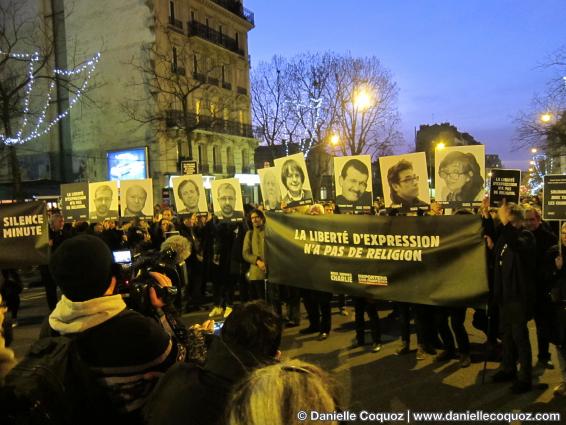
[[352, 176], [74, 201], [405, 181], [227, 200], [189, 194], [103, 201], [270, 190], [294, 180], [136, 198], [460, 175]]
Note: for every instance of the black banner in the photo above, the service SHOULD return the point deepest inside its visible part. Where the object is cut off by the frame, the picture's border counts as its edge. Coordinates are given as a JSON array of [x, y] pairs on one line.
[[505, 184], [554, 197], [74, 201], [24, 238], [438, 260]]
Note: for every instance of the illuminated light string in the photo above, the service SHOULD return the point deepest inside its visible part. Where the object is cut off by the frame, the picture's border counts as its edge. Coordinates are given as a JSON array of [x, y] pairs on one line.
[[88, 66]]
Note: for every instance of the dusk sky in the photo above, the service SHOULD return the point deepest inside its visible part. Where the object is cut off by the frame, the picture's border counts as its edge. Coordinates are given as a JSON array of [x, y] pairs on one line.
[[473, 63]]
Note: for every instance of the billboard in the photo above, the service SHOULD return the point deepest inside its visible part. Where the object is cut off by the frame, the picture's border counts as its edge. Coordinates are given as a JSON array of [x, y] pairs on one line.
[[128, 164]]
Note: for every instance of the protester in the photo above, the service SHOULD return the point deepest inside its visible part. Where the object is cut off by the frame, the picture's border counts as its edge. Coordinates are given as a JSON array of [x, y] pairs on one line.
[[275, 394], [514, 291], [7, 359], [362, 306], [249, 339], [126, 351]]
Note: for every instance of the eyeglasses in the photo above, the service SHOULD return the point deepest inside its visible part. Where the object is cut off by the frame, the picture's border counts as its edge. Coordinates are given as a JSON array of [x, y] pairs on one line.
[[452, 175], [410, 179], [255, 217]]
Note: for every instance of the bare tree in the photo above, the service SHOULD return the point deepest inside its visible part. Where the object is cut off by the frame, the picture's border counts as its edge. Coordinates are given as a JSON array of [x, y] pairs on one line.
[[29, 80], [314, 96]]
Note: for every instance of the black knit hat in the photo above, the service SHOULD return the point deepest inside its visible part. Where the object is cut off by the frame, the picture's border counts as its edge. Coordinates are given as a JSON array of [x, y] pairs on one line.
[[82, 267]]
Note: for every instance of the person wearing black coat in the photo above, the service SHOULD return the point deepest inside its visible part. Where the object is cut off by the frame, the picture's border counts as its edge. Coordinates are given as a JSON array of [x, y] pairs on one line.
[[198, 395], [514, 292]]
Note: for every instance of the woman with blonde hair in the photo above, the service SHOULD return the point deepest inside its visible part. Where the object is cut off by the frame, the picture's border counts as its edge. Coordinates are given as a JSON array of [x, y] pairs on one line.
[[279, 394]]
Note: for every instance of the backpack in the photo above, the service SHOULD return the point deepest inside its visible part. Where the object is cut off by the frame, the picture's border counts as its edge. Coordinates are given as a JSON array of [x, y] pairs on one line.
[[51, 385]]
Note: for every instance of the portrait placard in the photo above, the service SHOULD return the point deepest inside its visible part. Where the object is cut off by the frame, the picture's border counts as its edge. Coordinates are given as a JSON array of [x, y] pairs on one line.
[[227, 199], [136, 198], [270, 190], [405, 181], [352, 175], [294, 180], [189, 194], [460, 176], [103, 201]]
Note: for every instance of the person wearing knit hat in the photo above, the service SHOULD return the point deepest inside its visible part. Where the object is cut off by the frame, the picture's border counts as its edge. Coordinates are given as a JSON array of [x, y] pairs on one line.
[[126, 350]]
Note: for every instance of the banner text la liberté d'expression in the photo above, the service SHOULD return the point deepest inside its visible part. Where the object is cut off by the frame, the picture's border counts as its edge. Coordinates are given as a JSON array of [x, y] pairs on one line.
[[365, 245]]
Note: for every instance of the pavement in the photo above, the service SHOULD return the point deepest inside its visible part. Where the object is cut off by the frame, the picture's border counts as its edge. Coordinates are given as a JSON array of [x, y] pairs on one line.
[[377, 382]]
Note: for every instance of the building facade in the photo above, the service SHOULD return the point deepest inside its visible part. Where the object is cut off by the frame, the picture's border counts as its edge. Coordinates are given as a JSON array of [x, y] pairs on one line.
[[172, 80]]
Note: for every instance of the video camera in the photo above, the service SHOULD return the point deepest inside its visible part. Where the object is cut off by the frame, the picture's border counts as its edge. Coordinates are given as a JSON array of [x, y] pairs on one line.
[[136, 281]]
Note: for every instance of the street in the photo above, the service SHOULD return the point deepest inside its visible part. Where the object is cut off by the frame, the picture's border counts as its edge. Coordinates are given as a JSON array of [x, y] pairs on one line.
[[376, 382]]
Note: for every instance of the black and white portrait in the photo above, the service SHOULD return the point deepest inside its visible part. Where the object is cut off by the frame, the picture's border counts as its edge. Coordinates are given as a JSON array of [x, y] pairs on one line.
[[189, 194], [460, 174], [136, 198], [103, 201], [294, 180], [352, 176], [405, 181], [270, 190], [227, 199]]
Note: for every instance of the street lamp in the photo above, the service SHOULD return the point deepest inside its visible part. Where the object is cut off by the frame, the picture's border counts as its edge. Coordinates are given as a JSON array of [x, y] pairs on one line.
[[334, 140], [440, 146], [534, 150], [546, 117], [362, 99]]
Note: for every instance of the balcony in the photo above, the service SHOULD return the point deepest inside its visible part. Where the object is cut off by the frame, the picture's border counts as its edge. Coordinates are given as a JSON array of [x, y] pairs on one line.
[[200, 30], [242, 90], [175, 24], [231, 170], [179, 70], [226, 85], [204, 168], [201, 78], [213, 81], [217, 168], [236, 8], [174, 118]]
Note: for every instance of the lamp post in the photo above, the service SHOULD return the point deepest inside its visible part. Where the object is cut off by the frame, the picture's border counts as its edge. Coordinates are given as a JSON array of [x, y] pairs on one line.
[[438, 146]]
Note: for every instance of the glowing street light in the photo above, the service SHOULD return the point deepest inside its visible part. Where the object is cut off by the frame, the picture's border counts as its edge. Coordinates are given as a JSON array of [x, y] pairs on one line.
[[362, 99], [334, 140], [531, 169], [534, 150], [546, 117], [440, 146], [532, 162]]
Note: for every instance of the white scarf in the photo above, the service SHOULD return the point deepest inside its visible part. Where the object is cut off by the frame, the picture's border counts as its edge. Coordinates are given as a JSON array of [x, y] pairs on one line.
[[73, 317]]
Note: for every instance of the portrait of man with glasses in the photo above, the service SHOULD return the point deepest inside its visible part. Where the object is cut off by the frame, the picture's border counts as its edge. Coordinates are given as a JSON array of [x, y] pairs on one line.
[[404, 186]]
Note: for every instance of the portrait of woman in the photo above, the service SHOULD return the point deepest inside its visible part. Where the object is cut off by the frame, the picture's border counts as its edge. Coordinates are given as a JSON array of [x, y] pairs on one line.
[[462, 177], [293, 179]]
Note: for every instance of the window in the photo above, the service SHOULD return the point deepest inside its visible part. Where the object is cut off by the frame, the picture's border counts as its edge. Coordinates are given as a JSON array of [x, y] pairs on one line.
[[220, 31], [216, 156], [223, 74], [193, 16], [244, 158], [195, 63], [174, 62], [202, 154], [237, 37], [230, 155], [172, 10]]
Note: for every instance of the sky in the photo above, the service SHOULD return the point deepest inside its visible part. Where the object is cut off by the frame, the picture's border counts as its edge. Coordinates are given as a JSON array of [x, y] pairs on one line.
[[473, 63]]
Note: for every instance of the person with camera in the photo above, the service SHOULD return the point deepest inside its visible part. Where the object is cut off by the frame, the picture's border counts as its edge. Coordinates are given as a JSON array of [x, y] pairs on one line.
[[188, 393], [126, 351]]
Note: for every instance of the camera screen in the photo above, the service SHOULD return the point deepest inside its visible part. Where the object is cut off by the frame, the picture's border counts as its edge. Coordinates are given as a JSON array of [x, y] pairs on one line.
[[217, 326], [122, 257]]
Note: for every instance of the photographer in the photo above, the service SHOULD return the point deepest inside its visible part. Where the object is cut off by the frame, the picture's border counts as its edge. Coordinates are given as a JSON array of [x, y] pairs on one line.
[[125, 350]]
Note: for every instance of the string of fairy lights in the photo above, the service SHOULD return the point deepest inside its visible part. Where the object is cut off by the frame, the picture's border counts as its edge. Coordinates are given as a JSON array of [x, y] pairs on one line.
[[42, 126]]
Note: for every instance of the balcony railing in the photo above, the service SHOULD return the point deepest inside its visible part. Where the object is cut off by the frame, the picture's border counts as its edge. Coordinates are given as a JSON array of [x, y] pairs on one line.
[[201, 78], [175, 23], [231, 169], [200, 30], [203, 168], [226, 86], [237, 8], [213, 81], [217, 168], [179, 70], [174, 118], [242, 90], [246, 169]]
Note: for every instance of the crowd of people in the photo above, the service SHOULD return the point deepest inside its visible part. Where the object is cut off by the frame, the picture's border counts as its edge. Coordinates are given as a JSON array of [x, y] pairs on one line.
[[225, 377]]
